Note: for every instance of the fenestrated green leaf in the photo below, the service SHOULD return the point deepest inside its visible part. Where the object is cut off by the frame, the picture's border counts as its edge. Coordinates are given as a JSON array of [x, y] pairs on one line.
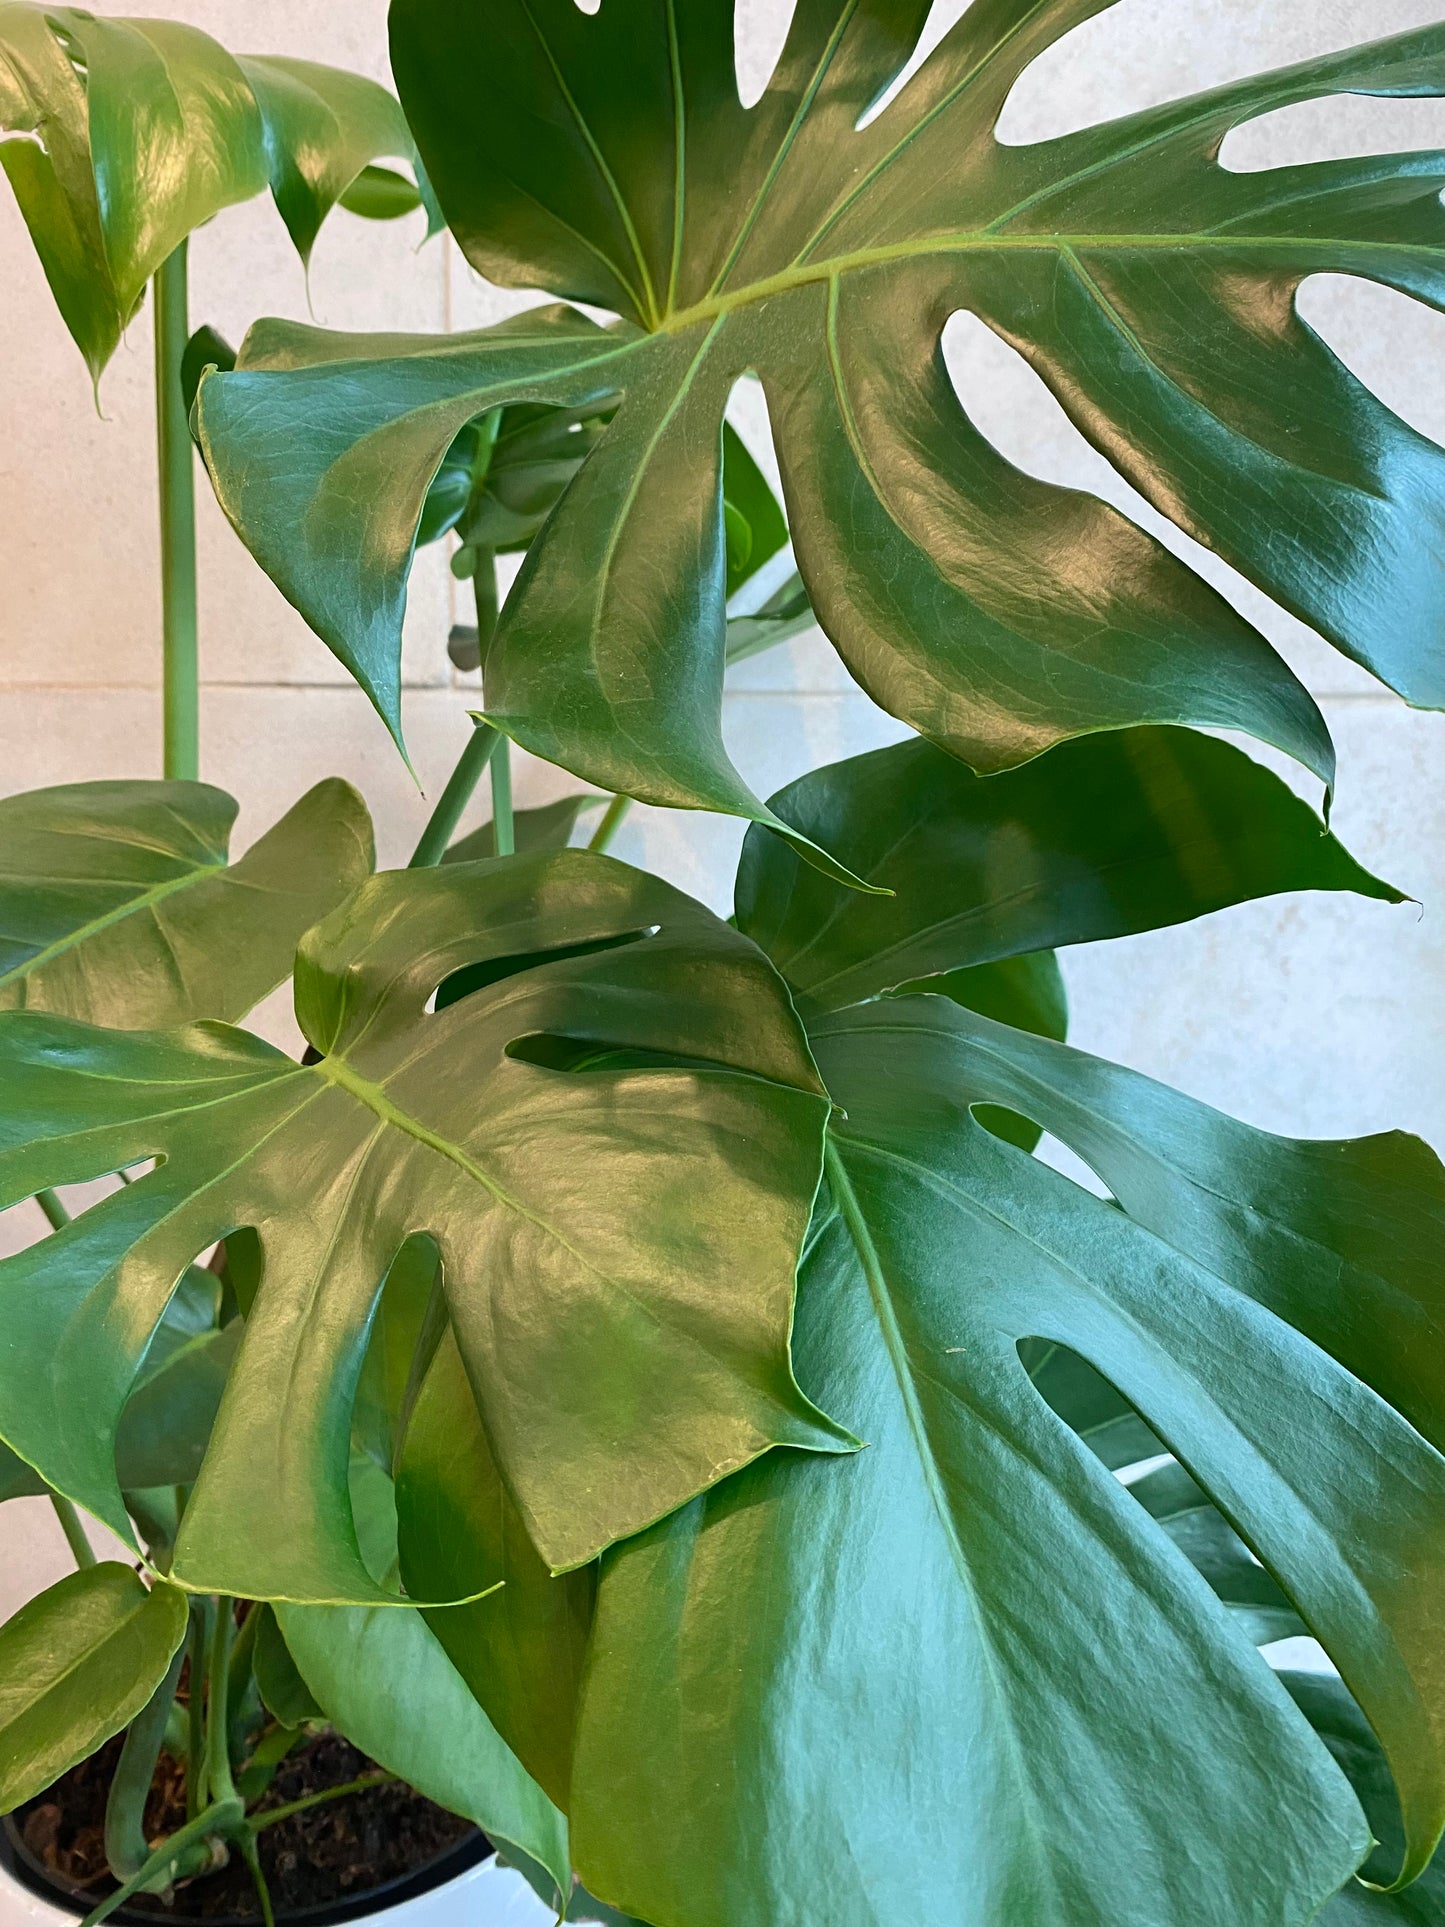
[[618, 1248], [127, 134], [117, 904], [1111, 835], [973, 1618], [521, 1650], [386, 1682], [547, 828], [1151, 288], [1346, 1732], [76, 1665]]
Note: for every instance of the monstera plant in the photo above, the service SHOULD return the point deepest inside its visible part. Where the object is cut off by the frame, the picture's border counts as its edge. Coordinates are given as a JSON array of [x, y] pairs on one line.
[[648, 1387]]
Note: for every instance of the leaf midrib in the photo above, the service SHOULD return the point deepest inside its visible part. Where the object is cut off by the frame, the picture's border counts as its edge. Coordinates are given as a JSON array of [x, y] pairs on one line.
[[133, 906], [981, 241]]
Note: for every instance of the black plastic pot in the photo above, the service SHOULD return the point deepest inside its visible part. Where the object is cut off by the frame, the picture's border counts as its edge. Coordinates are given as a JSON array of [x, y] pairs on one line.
[[20, 1863]]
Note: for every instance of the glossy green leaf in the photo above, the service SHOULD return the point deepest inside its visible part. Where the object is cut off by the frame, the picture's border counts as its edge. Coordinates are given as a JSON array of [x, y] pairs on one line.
[[618, 1247], [386, 1682], [973, 1618], [1150, 287], [284, 1693], [124, 135], [1114, 834], [322, 129], [76, 1665], [547, 828], [521, 1650], [118, 903]]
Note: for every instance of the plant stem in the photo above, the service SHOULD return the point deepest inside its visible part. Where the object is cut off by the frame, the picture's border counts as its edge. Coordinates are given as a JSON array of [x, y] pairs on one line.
[[263, 1892], [74, 1531], [260, 1821], [218, 1674], [175, 1857], [504, 827], [612, 821], [455, 797], [55, 1212], [181, 671], [126, 1847], [201, 1611]]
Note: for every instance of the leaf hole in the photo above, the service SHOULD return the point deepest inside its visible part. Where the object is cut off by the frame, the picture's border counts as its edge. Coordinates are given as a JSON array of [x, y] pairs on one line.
[[471, 978], [1392, 343], [943, 15], [1093, 1409], [1139, 54], [760, 32], [1338, 127]]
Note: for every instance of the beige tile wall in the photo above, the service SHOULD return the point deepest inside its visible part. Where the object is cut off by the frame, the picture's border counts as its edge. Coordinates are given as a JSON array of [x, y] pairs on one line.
[[1312, 1015]]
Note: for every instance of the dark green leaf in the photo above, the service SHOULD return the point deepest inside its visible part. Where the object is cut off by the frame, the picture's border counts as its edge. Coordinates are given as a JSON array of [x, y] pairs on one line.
[[117, 905], [205, 349], [387, 1684], [973, 1617], [166, 1425], [1114, 834], [17, 1479], [1258, 1606], [521, 1651], [283, 1691], [618, 1248], [76, 1665], [547, 828], [1150, 287], [1329, 1709]]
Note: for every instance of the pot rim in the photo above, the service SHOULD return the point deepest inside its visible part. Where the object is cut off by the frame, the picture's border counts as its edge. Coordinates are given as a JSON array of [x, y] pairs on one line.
[[35, 1877]]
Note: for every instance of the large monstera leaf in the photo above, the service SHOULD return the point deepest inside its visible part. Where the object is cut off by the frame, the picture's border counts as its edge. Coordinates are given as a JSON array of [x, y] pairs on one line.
[[606, 157], [120, 136], [618, 1237], [972, 1618], [118, 903]]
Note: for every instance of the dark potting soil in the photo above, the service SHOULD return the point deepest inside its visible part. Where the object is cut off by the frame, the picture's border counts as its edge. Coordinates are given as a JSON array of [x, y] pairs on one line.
[[330, 1854]]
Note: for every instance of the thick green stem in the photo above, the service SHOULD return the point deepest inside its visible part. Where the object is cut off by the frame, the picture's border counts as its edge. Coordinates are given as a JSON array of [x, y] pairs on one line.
[[201, 1610], [612, 821], [56, 1215], [181, 670], [452, 802], [218, 1700], [260, 1821], [126, 1846], [503, 825], [74, 1531]]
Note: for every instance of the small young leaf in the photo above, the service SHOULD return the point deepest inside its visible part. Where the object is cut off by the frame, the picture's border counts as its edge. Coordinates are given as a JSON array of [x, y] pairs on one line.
[[76, 1665]]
